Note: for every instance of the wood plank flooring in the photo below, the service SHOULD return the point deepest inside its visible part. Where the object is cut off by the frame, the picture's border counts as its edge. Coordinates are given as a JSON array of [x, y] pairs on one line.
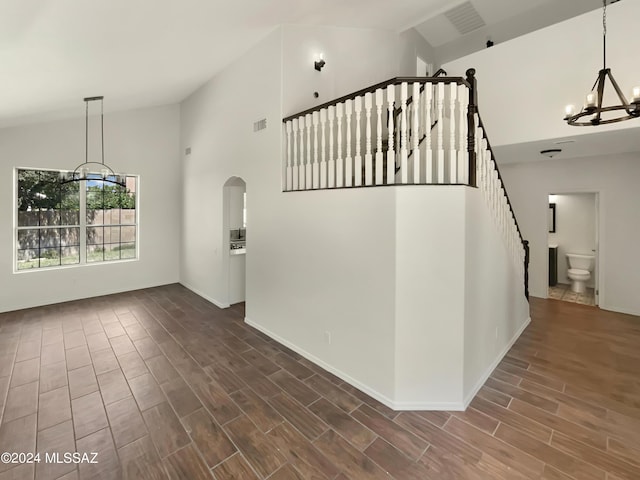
[[163, 385]]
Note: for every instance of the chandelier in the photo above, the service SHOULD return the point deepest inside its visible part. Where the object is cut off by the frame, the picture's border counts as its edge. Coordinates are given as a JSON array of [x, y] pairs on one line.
[[593, 109], [93, 171]]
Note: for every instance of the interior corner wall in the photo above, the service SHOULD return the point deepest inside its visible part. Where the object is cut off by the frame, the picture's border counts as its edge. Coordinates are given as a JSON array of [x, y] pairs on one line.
[[143, 142], [525, 83], [615, 179], [429, 309], [496, 309], [411, 46]]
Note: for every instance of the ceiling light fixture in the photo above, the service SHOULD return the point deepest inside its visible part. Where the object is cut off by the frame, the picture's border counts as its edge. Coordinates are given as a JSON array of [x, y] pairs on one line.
[[93, 170], [593, 108], [551, 152]]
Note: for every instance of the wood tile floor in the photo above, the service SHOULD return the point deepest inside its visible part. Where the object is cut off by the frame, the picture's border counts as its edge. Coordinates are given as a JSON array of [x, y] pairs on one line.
[[162, 384]]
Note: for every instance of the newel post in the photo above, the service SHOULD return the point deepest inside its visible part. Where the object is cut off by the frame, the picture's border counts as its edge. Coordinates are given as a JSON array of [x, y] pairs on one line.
[[525, 243], [471, 125]]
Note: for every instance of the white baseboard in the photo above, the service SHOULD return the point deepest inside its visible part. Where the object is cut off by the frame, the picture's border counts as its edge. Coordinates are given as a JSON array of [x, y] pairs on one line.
[[440, 406], [467, 400], [206, 297], [352, 381], [615, 309], [397, 406]]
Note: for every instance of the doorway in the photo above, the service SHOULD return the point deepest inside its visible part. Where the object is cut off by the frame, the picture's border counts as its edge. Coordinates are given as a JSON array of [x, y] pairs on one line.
[[234, 240], [573, 238]]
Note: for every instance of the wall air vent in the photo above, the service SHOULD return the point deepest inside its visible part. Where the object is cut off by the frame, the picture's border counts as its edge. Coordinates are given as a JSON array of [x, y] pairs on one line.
[[465, 18], [260, 125]]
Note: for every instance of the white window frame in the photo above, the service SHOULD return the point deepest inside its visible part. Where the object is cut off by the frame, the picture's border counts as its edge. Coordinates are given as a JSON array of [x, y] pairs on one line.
[[82, 226]]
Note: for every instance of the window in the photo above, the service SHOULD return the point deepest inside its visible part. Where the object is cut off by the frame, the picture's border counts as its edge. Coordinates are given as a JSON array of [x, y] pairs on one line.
[[73, 223]]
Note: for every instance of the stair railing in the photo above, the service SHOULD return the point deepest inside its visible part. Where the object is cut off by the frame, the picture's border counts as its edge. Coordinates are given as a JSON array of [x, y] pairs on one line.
[[485, 174], [350, 142]]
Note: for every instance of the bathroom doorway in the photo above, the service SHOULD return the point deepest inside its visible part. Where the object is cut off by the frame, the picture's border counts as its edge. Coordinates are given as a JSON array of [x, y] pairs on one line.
[[234, 240], [573, 238]]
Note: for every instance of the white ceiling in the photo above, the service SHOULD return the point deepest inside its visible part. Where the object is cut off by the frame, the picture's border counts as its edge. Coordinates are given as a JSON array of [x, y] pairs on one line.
[[504, 20], [139, 53], [594, 144]]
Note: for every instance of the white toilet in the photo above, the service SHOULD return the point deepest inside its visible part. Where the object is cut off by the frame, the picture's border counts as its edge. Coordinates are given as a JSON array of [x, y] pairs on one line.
[[579, 272]]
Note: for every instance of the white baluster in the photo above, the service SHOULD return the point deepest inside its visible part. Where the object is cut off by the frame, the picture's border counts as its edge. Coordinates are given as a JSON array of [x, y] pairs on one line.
[[379, 154], [368, 157], [323, 145], [289, 168], [348, 168], [314, 178], [331, 181], [453, 153], [463, 128], [308, 168], [340, 159], [416, 132], [295, 169], [483, 161], [357, 107], [404, 151], [428, 94], [440, 132], [306, 155], [391, 154]]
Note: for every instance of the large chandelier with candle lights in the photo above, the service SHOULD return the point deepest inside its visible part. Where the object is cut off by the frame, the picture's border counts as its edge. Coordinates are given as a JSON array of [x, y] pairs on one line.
[[594, 112]]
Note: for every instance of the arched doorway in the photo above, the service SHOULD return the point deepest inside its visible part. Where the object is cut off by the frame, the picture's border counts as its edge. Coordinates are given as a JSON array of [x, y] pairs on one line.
[[234, 233]]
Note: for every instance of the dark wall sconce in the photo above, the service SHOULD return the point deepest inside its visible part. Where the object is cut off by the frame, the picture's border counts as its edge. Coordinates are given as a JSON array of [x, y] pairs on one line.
[[319, 63]]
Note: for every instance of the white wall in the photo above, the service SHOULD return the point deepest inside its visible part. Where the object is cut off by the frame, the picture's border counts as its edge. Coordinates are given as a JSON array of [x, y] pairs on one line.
[[575, 229], [615, 178], [524, 84], [217, 123], [411, 46], [316, 262], [356, 58], [496, 310], [430, 285], [143, 142]]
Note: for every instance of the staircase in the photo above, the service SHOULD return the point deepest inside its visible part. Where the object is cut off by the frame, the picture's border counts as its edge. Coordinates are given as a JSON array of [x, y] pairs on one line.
[[405, 131]]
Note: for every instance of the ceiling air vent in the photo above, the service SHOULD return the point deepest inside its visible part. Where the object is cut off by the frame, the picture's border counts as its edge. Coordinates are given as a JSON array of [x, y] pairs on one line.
[[465, 18]]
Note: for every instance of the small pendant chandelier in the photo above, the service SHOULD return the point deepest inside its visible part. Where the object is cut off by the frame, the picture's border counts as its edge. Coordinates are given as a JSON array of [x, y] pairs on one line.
[[93, 171], [593, 108]]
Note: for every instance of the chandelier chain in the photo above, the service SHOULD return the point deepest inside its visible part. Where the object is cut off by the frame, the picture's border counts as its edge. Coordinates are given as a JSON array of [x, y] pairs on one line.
[[604, 33]]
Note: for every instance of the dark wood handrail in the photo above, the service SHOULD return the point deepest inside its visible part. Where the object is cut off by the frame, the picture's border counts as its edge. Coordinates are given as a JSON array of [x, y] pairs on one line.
[[504, 189], [373, 88], [471, 113]]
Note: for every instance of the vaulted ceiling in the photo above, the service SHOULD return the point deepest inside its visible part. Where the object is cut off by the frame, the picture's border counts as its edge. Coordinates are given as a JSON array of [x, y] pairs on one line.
[[150, 52]]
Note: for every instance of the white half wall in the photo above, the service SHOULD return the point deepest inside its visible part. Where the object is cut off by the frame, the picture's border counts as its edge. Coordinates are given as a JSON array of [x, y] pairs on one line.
[[615, 179], [524, 84], [143, 142]]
